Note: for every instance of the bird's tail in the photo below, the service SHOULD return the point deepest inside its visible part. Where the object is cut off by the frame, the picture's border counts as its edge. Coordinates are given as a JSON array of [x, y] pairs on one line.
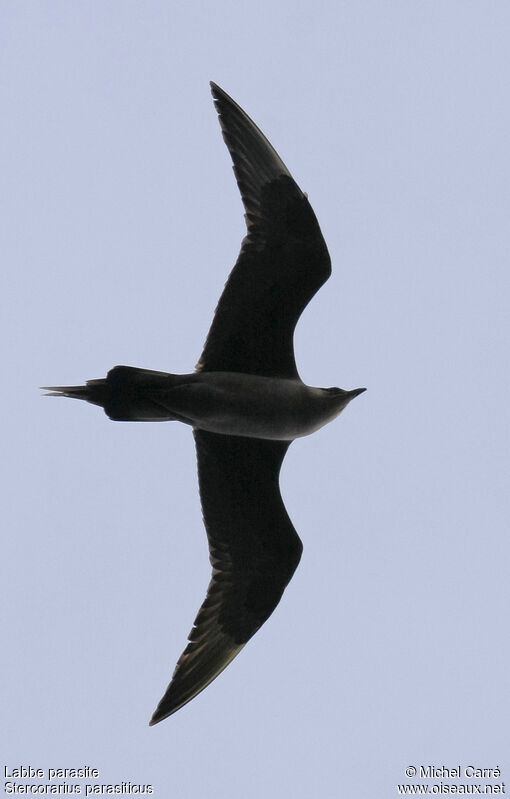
[[94, 391], [127, 394]]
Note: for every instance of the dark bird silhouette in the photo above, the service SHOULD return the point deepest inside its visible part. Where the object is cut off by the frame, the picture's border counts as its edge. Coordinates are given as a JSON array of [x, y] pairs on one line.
[[245, 402]]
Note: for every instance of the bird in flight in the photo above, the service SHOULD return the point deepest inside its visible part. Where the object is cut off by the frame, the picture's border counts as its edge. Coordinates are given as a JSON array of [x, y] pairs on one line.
[[245, 402]]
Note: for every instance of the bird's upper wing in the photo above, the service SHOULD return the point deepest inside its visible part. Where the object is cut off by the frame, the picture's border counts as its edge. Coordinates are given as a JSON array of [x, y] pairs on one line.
[[283, 260], [254, 551]]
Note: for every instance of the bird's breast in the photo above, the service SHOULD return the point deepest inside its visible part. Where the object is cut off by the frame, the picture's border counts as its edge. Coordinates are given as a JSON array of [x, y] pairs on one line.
[[232, 403]]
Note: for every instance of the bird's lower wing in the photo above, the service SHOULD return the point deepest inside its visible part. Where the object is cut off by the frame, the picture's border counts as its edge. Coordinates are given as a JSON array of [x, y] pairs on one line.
[[254, 551]]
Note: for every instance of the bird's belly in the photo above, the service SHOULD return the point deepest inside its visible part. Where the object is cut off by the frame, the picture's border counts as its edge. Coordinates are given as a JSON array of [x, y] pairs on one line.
[[248, 405]]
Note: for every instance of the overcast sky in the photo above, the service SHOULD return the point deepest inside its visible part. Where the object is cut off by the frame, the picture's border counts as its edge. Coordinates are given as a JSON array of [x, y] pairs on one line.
[[120, 222]]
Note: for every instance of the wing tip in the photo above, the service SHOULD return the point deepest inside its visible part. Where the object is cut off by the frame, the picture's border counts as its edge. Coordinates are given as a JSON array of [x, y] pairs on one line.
[[218, 93], [166, 708], [161, 714]]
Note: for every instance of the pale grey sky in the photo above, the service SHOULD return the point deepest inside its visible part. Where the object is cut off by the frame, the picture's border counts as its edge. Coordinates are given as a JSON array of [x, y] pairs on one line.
[[120, 222]]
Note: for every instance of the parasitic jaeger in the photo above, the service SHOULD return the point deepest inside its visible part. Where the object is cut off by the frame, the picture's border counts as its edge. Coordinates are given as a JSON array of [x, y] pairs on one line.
[[245, 403]]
